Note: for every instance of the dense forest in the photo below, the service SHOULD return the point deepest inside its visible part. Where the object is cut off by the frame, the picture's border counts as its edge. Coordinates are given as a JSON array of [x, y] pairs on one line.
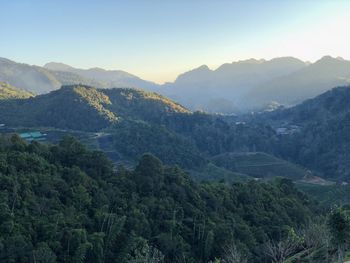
[[8, 91], [321, 142], [65, 203]]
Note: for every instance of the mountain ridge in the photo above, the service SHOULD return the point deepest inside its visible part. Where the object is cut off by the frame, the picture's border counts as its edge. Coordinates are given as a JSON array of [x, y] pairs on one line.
[[41, 80], [235, 87], [80, 107], [113, 78]]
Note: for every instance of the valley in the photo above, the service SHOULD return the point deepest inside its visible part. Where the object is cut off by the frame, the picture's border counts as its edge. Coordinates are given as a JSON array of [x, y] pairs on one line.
[[126, 123], [104, 136], [174, 131]]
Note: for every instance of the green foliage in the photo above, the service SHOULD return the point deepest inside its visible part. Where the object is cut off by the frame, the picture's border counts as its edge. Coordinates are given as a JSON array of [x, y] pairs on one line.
[[327, 195], [65, 203], [213, 135], [322, 144], [132, 139], [339, 225], [10, 92], [85, 108]]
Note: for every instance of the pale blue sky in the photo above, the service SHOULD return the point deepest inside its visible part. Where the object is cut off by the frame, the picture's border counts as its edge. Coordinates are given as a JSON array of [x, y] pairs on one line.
[[158, 39]]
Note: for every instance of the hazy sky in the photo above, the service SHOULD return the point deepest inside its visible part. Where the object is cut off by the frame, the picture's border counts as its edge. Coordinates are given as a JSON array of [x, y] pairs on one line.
[[158, 39]]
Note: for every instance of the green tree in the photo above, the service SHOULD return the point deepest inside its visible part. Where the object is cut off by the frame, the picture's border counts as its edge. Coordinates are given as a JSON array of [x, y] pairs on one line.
[[339, 227]]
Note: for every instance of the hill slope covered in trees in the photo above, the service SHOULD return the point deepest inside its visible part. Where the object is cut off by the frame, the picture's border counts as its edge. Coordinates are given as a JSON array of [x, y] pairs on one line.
[[322, 140], [67, 204], [85, 108], [8, 91]]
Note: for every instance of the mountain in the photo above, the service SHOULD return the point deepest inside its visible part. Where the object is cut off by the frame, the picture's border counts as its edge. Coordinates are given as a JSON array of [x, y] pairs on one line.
[[41, 80], [303, 84], [10, 92], [255, 84], [30, 78], [225, 89], [231, 88], [81, 107], [38, 80], [110, 78]]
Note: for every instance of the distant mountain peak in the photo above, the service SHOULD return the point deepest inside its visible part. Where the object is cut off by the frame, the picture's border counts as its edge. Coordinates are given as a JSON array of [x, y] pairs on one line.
[[329, 59], [250, 61], [199, 72], [287, 59], [57, 66], [202, 68]]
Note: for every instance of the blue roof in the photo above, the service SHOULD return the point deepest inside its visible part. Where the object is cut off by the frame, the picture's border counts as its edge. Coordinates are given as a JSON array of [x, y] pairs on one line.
[[25, 135], [36, 134], [31, 135]]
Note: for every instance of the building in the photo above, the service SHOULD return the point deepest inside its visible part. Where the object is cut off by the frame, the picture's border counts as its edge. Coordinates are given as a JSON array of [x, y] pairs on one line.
[[33, 136]]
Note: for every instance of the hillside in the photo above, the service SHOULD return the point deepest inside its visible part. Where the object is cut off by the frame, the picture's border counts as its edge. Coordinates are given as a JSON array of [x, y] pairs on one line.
[[65, 203], [65, 108], [30, 78], [8, 91], [321, 142], [257, 164], [329, 105], [86, 108]]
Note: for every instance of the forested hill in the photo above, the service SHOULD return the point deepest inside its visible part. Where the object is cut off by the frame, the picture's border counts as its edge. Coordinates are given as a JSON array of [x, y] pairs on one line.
[[63, 203], [85, 108], [333, 104], [8, 91], [321, 139]]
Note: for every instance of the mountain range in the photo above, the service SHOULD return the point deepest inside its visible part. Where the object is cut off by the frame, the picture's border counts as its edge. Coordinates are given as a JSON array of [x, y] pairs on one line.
[[105, 78], [41, 80], [231, 88]]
